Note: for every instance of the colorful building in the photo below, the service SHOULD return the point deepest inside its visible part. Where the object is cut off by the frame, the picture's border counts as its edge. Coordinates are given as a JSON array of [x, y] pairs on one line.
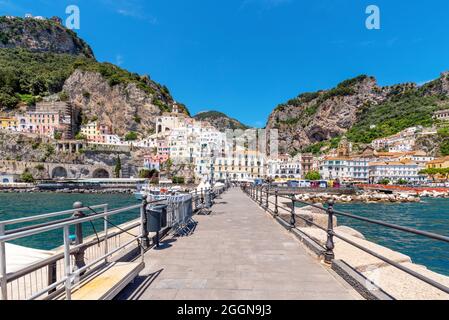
[[154, 162], [95, 132], [9, 123]]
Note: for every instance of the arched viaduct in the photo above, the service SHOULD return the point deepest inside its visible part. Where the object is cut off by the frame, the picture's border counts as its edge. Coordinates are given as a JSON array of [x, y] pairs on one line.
[[58, 170]]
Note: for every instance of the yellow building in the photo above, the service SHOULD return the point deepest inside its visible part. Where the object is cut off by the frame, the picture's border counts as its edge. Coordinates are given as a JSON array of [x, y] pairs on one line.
[[241, 165], [8, 123], [439, 163], [95, 132]]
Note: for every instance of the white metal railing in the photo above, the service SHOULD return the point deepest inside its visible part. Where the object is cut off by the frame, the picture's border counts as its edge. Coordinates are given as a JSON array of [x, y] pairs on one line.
[[72, 273], [60, 273]]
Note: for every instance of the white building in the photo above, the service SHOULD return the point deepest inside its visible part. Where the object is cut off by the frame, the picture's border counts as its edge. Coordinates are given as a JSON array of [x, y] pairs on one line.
[[345, 169], [395, 171], [285, 167], [112, 139], [247, 165]]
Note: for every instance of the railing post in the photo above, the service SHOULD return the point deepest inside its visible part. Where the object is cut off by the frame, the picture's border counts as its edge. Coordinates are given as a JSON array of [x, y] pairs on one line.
[[3, 280], [293, 215], [276, 210], [52, 275], [67, 264], [329, 254], [144, 221], [106, 229], [266, 200], [79, 253]]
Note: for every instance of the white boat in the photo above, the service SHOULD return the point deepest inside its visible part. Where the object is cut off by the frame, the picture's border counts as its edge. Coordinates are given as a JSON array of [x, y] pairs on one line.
[[145, 190], [154, 192]]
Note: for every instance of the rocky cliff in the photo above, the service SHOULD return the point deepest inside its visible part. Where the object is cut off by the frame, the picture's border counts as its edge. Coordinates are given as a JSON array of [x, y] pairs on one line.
[[41, 36], [42, 60], [358, 108], [124, 106], [220, 120]]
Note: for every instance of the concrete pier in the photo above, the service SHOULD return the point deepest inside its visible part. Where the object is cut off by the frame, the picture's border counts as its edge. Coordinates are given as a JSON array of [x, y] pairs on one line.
[[237, 252]]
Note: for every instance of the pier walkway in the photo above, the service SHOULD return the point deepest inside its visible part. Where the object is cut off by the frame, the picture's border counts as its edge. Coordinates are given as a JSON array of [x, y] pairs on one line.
[[237, 252]]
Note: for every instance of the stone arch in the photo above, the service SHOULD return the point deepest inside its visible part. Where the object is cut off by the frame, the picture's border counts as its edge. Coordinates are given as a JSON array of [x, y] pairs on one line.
[[59, 172], [100, 173], [5, 180]]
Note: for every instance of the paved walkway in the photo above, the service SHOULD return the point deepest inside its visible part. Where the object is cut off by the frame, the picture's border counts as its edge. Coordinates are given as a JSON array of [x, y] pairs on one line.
[[238, 252]]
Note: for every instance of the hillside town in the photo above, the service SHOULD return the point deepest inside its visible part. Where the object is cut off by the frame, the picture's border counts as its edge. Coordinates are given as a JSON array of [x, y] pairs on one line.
[[208, 154]]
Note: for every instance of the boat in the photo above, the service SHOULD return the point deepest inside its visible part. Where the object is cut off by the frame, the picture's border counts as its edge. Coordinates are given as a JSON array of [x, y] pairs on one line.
[[155, 193], [145, 190]]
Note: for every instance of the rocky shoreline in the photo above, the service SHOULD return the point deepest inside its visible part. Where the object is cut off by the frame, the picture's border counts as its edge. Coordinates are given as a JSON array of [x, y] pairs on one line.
[[372, 197]]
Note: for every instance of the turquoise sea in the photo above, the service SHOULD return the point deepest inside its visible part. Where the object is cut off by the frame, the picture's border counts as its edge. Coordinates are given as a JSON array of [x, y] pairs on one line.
[[430, 215], [17, 205]]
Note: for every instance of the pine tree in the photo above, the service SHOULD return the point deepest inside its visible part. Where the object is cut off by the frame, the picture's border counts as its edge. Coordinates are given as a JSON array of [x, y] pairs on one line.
[[118, 167]]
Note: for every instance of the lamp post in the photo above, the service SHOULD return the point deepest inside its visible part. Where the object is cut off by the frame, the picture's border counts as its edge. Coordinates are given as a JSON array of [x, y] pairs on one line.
[[212, 160]]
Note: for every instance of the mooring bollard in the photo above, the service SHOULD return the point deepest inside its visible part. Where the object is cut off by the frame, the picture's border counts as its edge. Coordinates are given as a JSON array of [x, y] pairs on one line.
[[293, 216], [79, 253], [329, 254]]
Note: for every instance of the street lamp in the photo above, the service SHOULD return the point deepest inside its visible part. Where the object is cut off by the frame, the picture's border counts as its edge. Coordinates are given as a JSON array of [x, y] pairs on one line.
[[212, 160]]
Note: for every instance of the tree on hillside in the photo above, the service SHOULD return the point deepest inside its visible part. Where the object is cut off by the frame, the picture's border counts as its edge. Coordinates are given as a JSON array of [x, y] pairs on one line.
[[168, 165], [445, 173], [313, 175], [27, 177], [118, 167], [148, 174], [431, 172]]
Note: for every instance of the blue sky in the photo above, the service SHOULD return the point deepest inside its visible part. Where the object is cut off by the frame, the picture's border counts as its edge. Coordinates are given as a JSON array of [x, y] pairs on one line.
[[243, 57]]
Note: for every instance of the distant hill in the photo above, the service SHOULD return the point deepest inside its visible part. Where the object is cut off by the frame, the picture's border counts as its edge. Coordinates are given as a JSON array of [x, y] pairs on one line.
[[220, 120], [41, 59], [357, 108]]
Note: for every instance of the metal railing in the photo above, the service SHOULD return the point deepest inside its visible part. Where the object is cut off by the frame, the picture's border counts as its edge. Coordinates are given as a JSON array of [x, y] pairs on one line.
[[80, 255], [261, 195]]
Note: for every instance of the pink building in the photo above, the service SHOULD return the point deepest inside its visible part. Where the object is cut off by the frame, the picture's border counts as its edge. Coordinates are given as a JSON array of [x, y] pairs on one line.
[[154, 162], [46, 123]]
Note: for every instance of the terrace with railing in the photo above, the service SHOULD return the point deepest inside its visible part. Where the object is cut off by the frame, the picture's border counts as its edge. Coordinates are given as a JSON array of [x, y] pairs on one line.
[[269, 197], [109, 250]]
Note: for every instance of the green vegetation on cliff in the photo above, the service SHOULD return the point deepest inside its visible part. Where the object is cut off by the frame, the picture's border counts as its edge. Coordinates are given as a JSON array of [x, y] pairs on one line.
[[401, 111], [27, 76], [220, 120]]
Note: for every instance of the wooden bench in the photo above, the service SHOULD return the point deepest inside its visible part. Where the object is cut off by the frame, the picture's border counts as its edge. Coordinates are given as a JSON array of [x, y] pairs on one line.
[[107, 284]]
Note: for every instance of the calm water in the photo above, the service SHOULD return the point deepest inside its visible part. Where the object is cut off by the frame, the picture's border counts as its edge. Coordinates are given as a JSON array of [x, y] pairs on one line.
[[26, 204], [431, 215]]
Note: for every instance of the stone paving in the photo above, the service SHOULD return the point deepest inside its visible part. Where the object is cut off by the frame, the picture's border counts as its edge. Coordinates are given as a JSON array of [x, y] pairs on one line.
[[237, 253]]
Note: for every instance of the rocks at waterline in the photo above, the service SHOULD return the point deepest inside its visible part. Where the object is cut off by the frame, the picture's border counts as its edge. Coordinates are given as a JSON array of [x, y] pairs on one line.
[[367, 197]]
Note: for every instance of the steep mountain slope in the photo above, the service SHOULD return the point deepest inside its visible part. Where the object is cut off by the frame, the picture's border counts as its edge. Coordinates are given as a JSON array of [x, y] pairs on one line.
[[220, 120], [358, 108], [34, 70]]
